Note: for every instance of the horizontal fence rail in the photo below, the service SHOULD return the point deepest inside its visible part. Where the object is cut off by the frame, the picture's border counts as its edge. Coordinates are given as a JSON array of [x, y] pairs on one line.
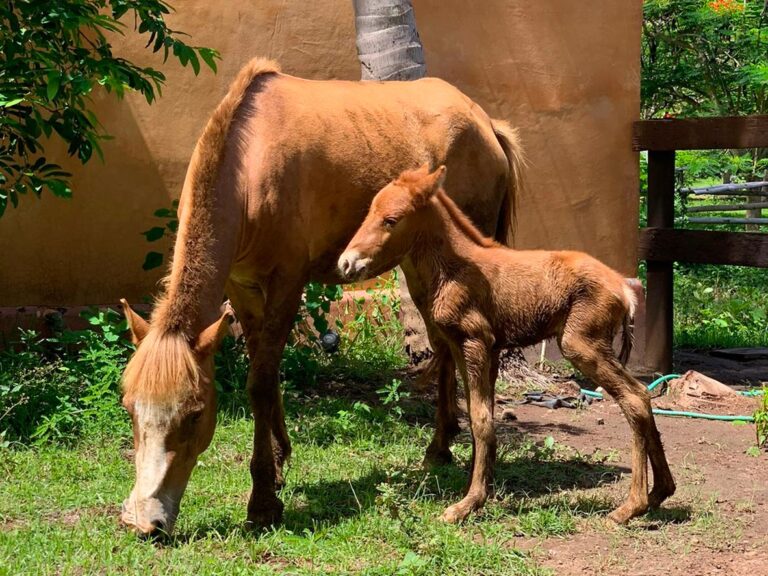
[[727, 207], [728, 189], [701, 133], [660, 245]]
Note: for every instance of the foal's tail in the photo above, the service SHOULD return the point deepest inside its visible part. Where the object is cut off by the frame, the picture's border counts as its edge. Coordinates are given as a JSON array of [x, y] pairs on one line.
[[509, 139], [627, 333]]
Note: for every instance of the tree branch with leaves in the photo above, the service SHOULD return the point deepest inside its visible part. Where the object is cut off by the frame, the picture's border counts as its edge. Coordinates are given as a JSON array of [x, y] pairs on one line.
[[54, 54]]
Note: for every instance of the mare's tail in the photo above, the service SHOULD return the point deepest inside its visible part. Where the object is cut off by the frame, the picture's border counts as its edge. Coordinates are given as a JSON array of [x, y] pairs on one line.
[[509, 139]]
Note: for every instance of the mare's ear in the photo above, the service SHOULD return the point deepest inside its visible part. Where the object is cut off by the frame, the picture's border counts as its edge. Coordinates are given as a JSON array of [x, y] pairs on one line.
[[210, 338], [137, 325], [429, 185]]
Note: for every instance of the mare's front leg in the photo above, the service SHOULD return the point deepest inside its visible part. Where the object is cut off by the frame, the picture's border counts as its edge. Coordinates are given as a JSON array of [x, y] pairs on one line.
[[476, 364], [270, 439]]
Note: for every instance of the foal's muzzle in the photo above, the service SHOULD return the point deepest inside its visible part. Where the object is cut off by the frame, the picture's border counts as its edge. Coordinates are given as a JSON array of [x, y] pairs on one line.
[[352, 266]]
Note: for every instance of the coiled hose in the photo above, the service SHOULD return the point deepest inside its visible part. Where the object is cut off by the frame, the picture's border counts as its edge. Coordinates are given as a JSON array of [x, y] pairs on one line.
[[667, 377]]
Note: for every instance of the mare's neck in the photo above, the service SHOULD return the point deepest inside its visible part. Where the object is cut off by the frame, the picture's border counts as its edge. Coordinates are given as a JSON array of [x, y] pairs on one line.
[[203, 254]]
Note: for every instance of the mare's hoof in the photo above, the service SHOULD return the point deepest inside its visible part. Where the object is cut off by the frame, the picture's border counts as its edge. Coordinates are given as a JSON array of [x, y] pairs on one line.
[[437, 458], [265, 514]]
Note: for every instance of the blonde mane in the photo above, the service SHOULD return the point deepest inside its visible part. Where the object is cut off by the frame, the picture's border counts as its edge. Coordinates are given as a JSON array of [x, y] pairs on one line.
[[163, 369], [462, 221]]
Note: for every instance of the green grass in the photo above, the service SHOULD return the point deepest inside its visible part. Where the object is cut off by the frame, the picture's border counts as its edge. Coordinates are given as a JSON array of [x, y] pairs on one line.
[[720, 306], [357, 501]]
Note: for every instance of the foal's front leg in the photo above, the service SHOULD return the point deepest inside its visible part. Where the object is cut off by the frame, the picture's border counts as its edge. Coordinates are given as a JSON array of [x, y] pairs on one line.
[[474, 362], [447, 419]]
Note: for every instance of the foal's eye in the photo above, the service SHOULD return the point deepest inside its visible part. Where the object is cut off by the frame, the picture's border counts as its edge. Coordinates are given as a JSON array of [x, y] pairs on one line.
[[390, 222]]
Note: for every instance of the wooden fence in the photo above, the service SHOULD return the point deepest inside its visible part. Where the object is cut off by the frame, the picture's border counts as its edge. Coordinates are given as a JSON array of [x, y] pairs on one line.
[[660, 243]]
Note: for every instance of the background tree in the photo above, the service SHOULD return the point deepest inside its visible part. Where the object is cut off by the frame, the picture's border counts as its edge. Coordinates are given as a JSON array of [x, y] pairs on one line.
[[53, 55], [389, 48], [707, 58]]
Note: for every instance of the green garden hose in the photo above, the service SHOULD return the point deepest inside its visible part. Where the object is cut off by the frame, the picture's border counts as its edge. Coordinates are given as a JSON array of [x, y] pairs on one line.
[[665, 378]]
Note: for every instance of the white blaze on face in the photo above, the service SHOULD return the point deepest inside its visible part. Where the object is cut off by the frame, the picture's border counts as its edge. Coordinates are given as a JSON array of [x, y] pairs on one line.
[[152, 502]]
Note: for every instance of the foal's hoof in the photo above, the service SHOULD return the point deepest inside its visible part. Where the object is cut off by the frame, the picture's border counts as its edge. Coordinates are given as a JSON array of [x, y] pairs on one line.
[[659, 494], [626, 512], [458, 512], [265, 514]]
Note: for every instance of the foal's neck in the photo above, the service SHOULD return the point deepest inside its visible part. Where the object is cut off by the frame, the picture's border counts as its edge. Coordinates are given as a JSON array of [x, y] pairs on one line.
[[446, 242]]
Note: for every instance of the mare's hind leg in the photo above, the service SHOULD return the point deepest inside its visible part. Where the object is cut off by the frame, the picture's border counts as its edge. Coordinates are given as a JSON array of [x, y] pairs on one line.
[[282, 301], [591, 353], [475, 364]]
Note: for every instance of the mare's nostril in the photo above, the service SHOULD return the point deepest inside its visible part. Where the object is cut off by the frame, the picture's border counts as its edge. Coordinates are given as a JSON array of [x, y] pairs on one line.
[[157, 530]]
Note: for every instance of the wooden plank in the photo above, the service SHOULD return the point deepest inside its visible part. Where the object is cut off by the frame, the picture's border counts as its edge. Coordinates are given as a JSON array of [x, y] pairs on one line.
[[728, 220], [701, 133], [704, 247], [661, 214], [725, 188], [726, 207]]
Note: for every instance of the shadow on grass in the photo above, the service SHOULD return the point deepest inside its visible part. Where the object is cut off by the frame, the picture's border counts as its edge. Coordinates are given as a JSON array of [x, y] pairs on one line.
[[321, 505]]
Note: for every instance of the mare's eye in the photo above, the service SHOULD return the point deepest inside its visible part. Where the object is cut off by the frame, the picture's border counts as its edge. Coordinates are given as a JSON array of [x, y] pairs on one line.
[[390, 222]]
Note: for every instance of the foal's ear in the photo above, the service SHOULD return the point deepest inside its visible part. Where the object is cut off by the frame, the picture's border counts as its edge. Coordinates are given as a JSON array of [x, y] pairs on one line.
[[210, 338], [438, 178], [430, 184], [137, 325]]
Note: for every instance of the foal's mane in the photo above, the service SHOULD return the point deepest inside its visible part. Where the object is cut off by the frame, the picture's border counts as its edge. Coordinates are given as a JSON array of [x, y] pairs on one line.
[[462, 221], [164, 368]]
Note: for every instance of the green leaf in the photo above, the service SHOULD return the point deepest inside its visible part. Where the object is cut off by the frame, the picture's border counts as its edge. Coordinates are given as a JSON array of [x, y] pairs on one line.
[[209, 57], [152, 260], [54, 80], [9, 103], [154, 233]]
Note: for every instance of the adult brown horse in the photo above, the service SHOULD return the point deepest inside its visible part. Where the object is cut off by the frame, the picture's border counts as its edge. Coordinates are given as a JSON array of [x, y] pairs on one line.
[[278, 183]]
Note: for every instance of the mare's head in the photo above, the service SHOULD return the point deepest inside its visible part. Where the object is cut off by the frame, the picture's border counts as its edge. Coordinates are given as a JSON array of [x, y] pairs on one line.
[[169, 393], [389, 230]]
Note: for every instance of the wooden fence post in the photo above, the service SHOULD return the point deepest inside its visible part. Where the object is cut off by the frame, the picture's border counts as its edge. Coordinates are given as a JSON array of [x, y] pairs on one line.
[[661, 214]]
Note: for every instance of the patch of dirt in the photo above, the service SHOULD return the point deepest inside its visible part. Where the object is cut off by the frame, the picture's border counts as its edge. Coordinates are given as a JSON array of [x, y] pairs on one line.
[[717, 523]]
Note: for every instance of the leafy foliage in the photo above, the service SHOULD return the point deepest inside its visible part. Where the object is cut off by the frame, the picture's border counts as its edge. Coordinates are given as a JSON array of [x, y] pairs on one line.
[[59, 387], [704, 57], [53, 56]]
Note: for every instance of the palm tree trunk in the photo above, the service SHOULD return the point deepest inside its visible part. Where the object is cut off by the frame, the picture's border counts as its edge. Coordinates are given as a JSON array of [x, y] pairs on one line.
[[389, 48], [388, 43]]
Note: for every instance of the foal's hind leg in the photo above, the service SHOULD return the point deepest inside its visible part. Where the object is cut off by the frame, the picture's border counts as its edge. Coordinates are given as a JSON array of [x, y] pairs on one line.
[[595, 359]]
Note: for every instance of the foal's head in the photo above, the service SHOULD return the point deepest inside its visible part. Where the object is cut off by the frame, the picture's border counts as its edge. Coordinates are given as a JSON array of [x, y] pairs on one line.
[[169, 393], [388, 231]]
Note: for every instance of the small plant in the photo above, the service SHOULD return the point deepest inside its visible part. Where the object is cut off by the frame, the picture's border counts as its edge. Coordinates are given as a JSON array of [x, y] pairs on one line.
[[761, 421], [392, 394]]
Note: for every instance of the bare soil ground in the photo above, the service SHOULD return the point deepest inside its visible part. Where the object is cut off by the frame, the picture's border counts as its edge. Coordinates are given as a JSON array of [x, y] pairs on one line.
[[717, 523]]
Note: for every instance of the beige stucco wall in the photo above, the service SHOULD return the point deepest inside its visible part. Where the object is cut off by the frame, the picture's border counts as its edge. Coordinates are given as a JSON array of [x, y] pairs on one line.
[[565, 72]]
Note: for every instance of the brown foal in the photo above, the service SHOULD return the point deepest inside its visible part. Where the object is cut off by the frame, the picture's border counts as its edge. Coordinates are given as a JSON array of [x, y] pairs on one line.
[[483, 297]]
